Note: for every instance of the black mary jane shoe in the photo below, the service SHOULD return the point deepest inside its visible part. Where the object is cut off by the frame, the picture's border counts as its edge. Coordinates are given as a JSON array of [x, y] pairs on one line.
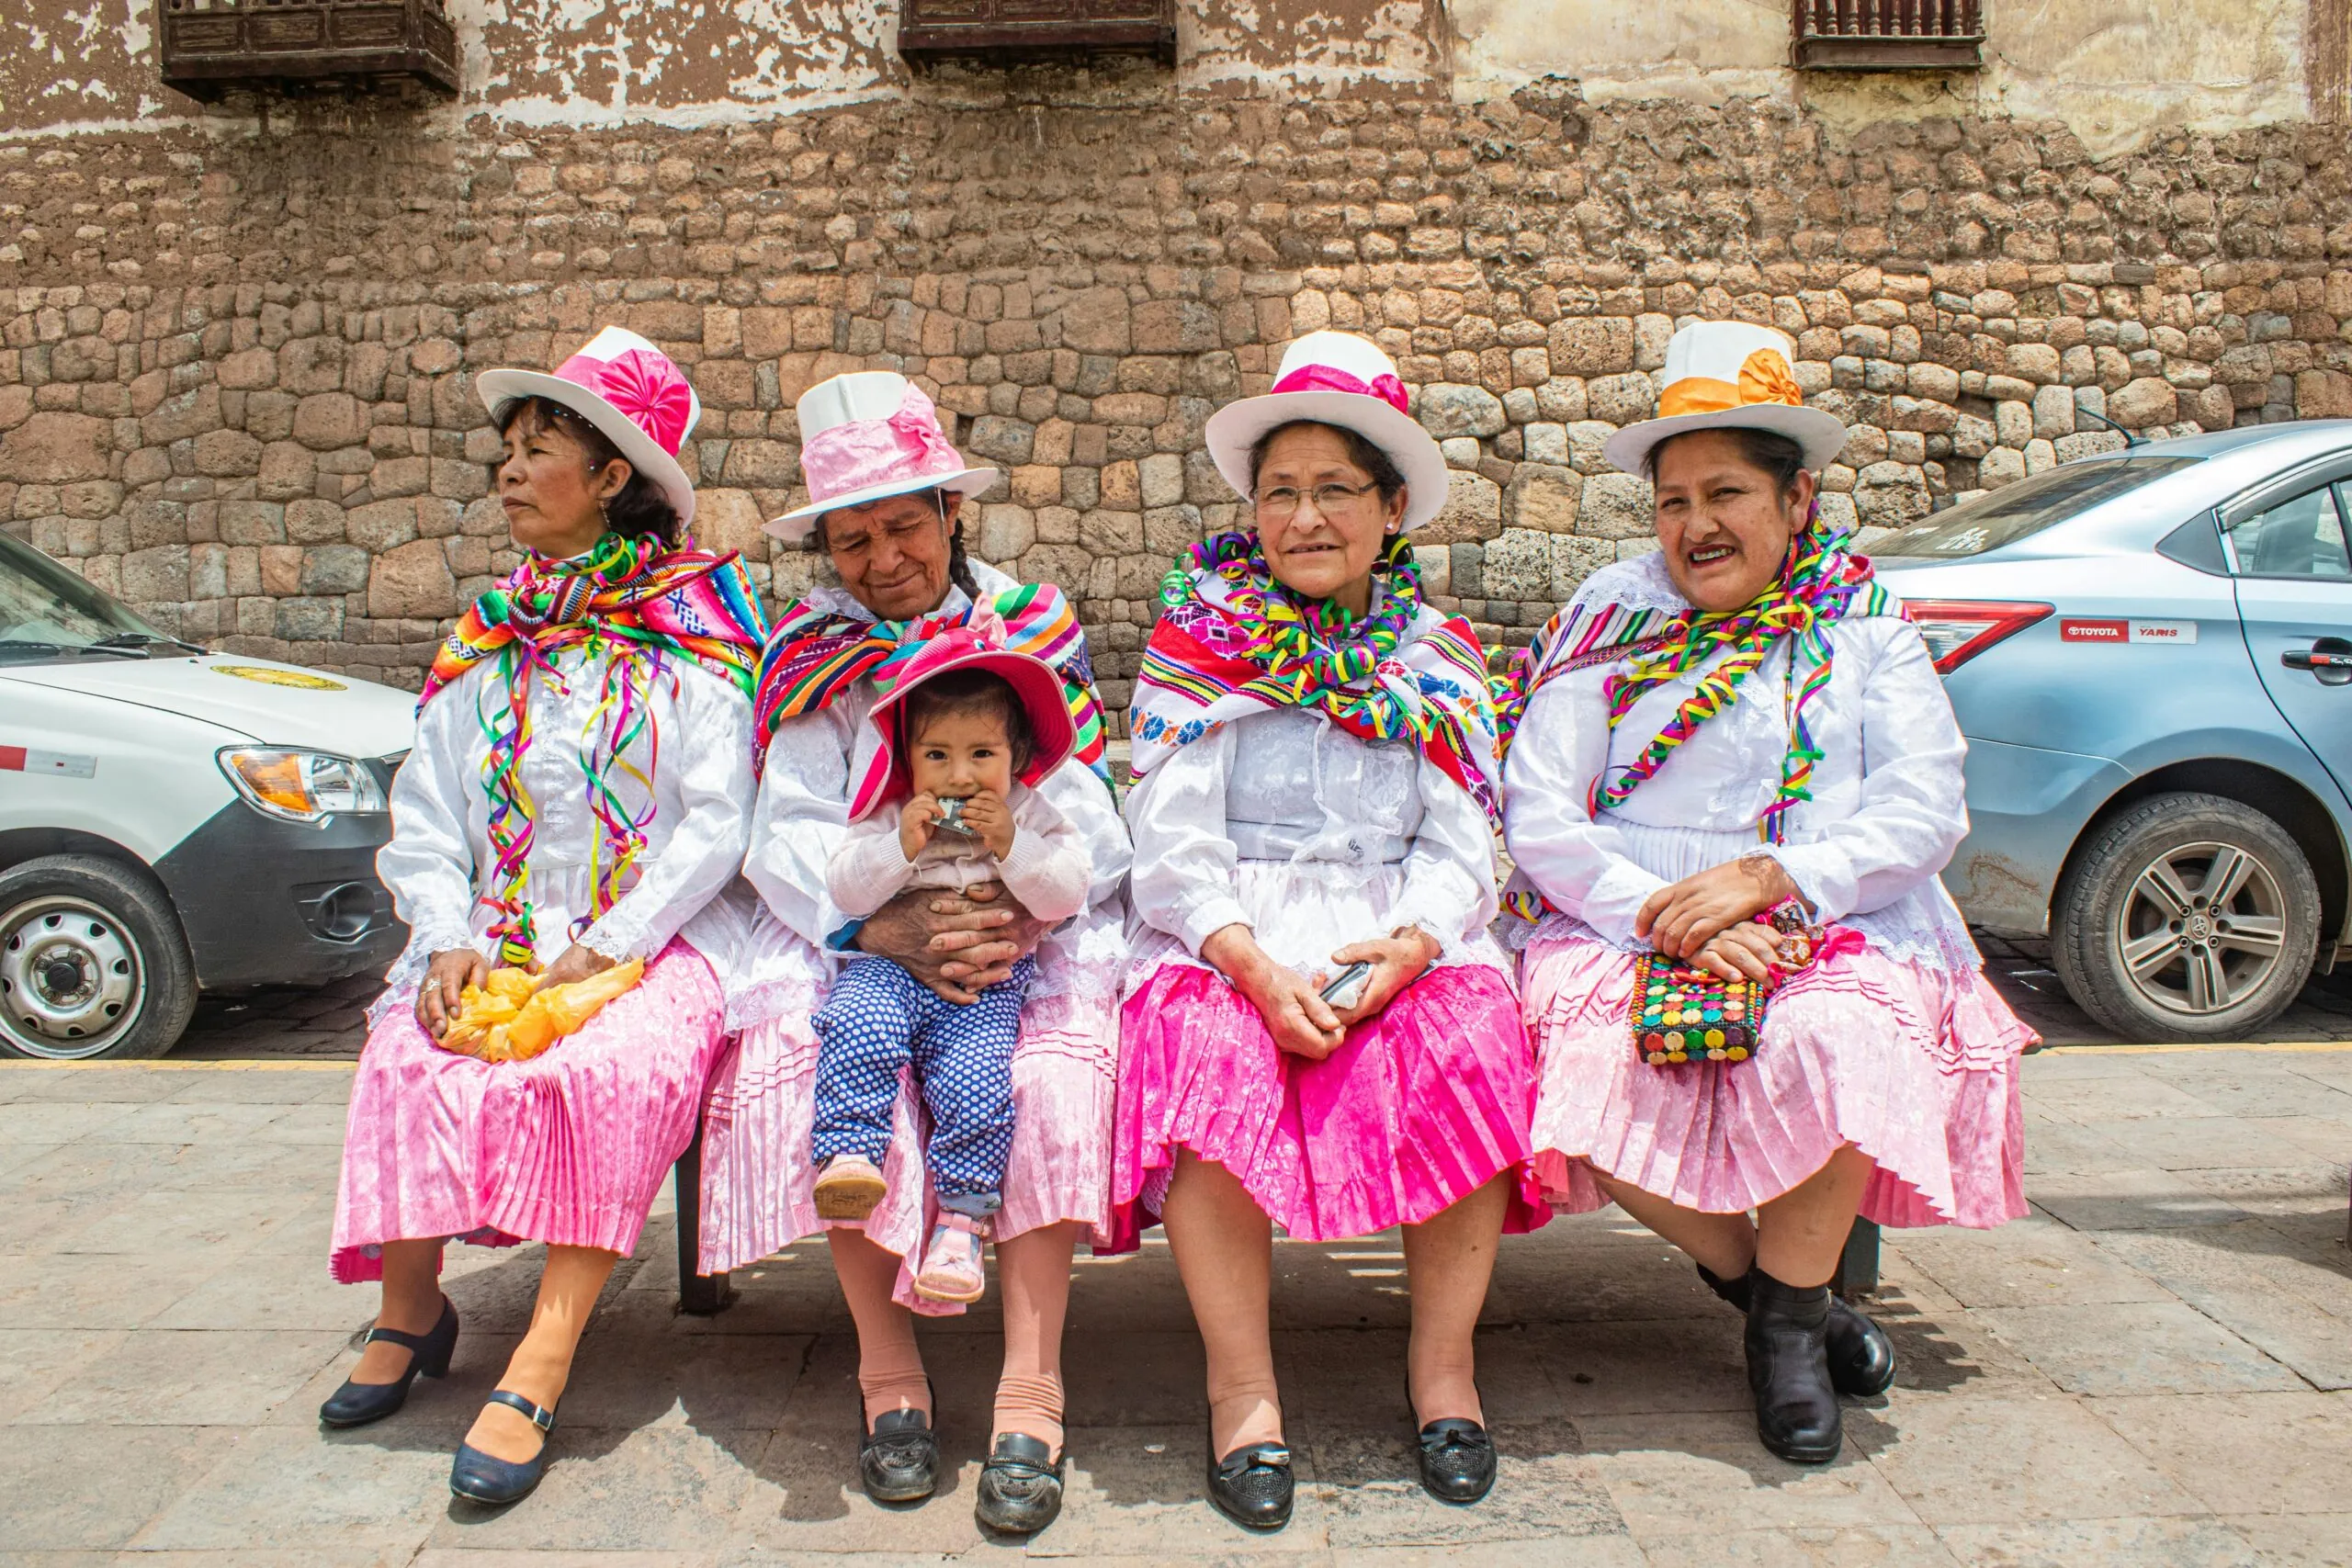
[[1252, 1485], [1021, 1485], [1862, 1358], [1457, 1459], [356, 1404], [1788, 1371], [481, 1478], [898, 1456]]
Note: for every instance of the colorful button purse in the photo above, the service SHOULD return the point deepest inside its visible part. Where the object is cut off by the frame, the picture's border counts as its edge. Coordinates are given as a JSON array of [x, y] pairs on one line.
[[1681, 1013]]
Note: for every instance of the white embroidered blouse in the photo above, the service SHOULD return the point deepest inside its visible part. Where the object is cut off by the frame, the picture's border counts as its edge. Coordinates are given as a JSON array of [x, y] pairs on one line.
[[696, 754], [1314, 838], [1887, 809]]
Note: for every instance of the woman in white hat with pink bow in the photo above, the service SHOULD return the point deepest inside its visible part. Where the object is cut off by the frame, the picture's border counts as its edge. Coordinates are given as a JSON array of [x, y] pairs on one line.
[[885, 499], [1733, 782], [575, 799], [1318, 1033]]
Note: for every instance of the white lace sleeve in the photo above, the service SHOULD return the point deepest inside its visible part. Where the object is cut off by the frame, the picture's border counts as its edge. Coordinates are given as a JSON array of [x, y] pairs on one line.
[[1913, 810], [1449, 888], [1184, 854], [429, 863], [800, 819]]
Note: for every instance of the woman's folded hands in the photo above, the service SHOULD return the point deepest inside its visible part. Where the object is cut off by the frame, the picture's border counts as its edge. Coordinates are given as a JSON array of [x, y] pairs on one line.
[[1291, 1003]]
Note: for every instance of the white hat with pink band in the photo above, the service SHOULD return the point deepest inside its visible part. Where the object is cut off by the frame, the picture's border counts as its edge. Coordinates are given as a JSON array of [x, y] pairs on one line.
[[631, 391], [1336, 378], [867, 436]]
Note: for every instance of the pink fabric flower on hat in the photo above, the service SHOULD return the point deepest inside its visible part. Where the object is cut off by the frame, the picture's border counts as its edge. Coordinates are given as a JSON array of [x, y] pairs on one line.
[[645, 387]]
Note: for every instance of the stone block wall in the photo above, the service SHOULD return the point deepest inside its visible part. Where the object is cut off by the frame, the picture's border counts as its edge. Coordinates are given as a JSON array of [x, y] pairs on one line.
[[235, 373]]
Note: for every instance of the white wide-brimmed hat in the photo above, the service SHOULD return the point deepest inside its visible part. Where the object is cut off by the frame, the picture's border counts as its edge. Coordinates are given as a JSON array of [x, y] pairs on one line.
[[1729, 376], [868, 435], [629, 390], [1336, 378]]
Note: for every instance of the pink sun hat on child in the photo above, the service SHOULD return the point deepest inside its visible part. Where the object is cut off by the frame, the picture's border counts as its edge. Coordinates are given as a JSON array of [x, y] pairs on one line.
[[1337, 378], [629, 390], [866, 436], [979, 646]]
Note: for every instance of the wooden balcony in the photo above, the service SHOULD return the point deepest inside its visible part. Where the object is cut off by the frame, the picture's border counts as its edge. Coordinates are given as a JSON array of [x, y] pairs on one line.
[[1889, 35], [210, 46], [1012, 30]]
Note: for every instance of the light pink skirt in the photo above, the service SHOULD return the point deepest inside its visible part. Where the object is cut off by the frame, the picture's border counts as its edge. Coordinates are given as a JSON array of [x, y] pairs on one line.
[[1915, 1067], [569, 1149], [1415, 1111], [759, 1184]]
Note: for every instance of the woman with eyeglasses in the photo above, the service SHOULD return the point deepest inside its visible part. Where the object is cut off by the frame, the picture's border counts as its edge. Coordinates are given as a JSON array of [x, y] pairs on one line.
[[1318, 1032]]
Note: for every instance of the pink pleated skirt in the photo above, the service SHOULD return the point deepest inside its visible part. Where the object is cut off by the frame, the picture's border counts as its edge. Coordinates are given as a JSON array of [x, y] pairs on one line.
[[567, 1148], [1915, 1067], [758, 1181], [1416, 1111]]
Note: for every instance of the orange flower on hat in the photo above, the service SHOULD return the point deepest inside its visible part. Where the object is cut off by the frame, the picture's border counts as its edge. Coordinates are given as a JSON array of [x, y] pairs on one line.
[[1764, 377]]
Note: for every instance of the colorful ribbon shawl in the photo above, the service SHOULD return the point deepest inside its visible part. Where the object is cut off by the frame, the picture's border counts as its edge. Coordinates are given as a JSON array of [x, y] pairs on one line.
[[631, 597], [1821, 582], [1232, 641], [816, 655]]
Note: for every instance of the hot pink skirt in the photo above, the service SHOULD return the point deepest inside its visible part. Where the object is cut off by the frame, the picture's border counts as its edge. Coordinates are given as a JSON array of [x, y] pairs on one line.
[[1915, 1067], [1415, 1111], [567, 1148]]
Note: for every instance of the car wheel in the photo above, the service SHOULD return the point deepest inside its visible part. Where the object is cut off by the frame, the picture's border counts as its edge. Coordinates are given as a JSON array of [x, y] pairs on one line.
[[92, 963], [2187, 917]]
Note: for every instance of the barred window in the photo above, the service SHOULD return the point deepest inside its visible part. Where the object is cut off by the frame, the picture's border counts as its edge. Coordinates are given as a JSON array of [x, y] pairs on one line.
[[1889, 35]]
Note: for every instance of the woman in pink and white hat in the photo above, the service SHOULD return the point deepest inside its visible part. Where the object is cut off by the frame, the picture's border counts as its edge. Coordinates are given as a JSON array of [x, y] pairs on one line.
[[885, 501], [1318, 1034], [617, 657]]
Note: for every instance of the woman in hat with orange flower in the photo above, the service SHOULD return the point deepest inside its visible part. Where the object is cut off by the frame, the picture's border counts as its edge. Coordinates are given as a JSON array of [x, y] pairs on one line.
[[576, 799], [885, 499], [1733, 779], [1318, 1033]]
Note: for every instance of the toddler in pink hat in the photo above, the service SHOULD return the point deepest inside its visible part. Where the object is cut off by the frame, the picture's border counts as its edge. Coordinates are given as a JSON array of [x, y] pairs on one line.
[[948, 757]]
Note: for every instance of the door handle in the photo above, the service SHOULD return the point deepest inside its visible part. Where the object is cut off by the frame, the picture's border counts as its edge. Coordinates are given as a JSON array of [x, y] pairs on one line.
[[2329, 658]]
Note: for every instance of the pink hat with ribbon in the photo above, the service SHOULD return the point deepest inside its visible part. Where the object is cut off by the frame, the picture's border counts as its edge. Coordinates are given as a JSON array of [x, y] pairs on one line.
[[628, 389], [866, 436], [978, 644], [1336, 378]]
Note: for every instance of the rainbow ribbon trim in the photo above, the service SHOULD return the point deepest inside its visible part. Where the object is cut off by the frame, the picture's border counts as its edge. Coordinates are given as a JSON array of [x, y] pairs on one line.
[[816, 656], [1248, 644], [628, 597]]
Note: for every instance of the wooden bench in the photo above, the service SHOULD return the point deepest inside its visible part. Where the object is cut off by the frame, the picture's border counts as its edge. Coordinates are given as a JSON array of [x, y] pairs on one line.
[[706, 1295]]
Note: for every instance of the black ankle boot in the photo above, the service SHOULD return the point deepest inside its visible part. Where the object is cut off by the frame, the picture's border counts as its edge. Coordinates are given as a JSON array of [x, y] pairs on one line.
[[1787, 1370], [1861, 1359]]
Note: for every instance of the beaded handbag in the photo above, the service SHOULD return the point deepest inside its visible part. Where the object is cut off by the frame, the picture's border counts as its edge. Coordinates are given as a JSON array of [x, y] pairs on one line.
[[1685, 1014], [1681, 1013]]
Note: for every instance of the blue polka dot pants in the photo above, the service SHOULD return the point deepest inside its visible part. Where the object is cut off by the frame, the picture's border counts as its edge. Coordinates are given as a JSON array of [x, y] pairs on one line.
[[879, 1019]]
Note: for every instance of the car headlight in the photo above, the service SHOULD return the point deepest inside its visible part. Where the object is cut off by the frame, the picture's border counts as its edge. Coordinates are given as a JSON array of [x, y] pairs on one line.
[[300, 786]]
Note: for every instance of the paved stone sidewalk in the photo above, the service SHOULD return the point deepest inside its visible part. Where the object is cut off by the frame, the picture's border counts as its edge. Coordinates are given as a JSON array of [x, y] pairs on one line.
[[2152, 1369]]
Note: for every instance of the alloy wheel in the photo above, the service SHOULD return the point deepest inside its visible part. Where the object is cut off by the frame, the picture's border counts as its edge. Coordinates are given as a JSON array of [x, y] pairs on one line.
[[2203, 926]]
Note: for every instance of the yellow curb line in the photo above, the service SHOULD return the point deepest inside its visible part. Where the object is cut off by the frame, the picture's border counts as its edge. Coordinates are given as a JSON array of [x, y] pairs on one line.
[[168, 1067], [2303, 1045]]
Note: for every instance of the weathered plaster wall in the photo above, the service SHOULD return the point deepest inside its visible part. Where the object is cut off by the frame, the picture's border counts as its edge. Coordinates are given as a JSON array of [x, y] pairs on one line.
[[2117, 73], [235, 371]]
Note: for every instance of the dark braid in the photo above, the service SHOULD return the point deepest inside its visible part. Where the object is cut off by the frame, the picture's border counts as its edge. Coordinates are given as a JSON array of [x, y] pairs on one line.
[[959, 569]]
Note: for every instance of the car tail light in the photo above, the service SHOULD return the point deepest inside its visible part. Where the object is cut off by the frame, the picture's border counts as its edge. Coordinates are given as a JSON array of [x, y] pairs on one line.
[[1959, 630]]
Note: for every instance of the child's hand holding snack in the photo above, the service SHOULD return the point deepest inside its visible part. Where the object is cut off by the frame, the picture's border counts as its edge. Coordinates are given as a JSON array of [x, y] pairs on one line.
[[991, 821], [918, 822]]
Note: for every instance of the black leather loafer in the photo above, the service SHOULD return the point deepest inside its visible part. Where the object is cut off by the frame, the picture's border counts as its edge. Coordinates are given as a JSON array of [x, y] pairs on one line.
[[1020, 1492], [1862, 1358], [483, 1478], [356, 1404], [1457, 1460], [898, 1456], [1788, 1372], [1252, 1485]]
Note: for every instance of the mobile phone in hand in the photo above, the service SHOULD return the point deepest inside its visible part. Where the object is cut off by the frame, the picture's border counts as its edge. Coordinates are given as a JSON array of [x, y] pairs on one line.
[[1347, 987]]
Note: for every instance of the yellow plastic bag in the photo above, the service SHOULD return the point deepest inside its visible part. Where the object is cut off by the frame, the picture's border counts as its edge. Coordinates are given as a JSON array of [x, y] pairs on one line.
[[513, 1018]]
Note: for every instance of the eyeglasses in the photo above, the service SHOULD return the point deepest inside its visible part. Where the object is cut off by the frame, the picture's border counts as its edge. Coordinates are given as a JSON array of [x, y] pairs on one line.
[[1330, 500]]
